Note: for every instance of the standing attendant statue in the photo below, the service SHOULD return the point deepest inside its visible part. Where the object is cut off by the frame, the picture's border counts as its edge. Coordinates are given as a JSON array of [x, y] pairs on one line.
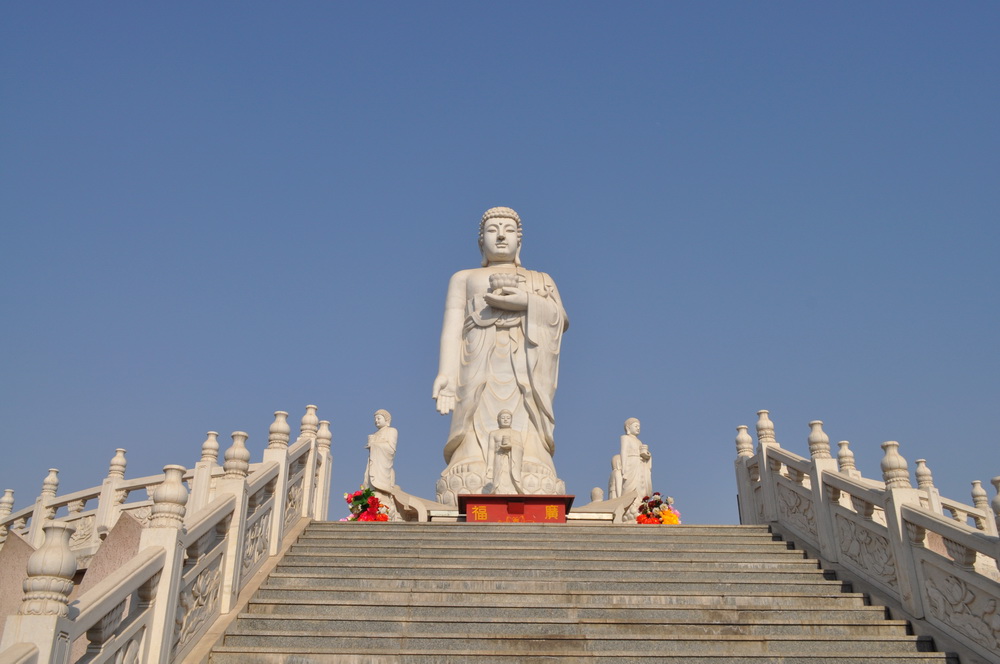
[[503, 325], [637, 462], [615, 479], [507, 454], [379, 473]]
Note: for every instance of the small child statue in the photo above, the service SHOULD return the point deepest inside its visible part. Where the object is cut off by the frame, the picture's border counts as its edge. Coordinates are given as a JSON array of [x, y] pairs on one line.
[[506, 452]]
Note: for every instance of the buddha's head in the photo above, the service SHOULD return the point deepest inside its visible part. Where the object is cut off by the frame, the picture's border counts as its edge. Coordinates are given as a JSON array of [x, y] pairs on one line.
[[382, 418], [500, 236], [632, 426]]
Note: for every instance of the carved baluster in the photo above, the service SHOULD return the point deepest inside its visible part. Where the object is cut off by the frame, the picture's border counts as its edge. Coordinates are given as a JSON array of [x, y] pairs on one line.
[[116, 469], [6, 507], [894, 469], [237, 457], [981, 502], [924, 478], [50, 574], [278, 433], [323, 436], [864, 509], [76, 506], [795, 475], [845, 458], [744, 443], [310, 422], [962, 555], [50, 484], [819, 442], [765, 429], [995, 504], [210, 448], [170, 499], [916, 534]]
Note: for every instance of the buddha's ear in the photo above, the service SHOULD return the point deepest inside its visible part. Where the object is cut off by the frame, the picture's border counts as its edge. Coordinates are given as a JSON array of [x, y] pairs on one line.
[[517, 256]]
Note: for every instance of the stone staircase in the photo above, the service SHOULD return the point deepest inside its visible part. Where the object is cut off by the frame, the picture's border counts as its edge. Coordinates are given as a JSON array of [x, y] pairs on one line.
[[464, 592]]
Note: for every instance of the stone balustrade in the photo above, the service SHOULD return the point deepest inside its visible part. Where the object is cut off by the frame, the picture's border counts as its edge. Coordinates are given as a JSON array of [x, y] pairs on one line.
[[197, 549], [936, 558]]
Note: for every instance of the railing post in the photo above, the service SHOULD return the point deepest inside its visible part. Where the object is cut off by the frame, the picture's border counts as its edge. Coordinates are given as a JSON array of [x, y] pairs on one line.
[[43, 513], [277, 451], [165, 530], [41, 619], [765, 442], [308, 429], [324, 470], [899, 492], [201, 482], [234, 482], [744, 487], [823, 463], [109, 503]]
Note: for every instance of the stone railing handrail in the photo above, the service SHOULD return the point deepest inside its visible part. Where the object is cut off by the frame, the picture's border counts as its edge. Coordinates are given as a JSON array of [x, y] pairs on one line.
[[197, 549], [859, 487], [892, 538], [960, 533], [102, 599]]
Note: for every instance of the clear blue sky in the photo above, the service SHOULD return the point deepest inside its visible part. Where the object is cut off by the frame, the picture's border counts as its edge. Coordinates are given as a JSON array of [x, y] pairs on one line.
[[213, 211]]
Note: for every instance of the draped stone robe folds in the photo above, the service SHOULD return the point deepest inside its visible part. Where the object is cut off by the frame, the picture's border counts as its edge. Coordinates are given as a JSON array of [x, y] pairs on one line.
[[509, 360]]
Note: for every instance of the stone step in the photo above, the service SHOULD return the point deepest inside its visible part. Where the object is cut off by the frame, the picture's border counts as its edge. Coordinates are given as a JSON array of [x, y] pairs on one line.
[[567, 624], [539, 562], [651, 598], [558, 537], [464, 642], [666, 585], [490, 553], [226, 655], [603, 529], [663, 550], [566, 572], [335, 608]]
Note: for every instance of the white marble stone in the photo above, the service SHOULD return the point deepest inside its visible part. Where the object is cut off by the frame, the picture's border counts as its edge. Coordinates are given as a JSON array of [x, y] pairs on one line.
[[500, 341], [637, 462]]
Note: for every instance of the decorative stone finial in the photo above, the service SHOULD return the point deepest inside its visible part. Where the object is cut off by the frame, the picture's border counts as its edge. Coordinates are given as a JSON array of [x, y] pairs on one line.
[[744, 443], [169, 499], [323, 436], [845, 457], [894, 469], [237, 457], [7, 502], [819, 442], [979, 498], [210, 448], [50, 484], [596, 494], [310, 422], [278, 433], [765, 429], [924, 478], [117, 467], [50, 574], [995, 503]]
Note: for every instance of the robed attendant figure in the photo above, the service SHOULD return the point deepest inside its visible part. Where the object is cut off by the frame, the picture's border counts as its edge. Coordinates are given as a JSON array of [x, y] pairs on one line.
[[500, 340], [379, 473]]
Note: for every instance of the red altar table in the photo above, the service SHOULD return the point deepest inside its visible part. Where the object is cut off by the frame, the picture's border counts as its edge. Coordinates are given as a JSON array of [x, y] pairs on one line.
[[514, 508]]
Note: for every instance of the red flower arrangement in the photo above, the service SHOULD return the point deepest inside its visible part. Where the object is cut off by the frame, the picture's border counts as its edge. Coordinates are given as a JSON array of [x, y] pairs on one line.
[[365, 506], [656, 509]]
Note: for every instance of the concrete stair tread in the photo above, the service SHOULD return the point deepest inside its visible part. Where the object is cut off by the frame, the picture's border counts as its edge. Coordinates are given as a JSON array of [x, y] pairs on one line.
[[349, 593]]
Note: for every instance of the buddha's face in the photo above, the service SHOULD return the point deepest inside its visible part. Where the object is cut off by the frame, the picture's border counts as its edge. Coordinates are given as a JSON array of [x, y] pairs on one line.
[[379, 421], [505, 419], [633, 428], [500, 240]]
